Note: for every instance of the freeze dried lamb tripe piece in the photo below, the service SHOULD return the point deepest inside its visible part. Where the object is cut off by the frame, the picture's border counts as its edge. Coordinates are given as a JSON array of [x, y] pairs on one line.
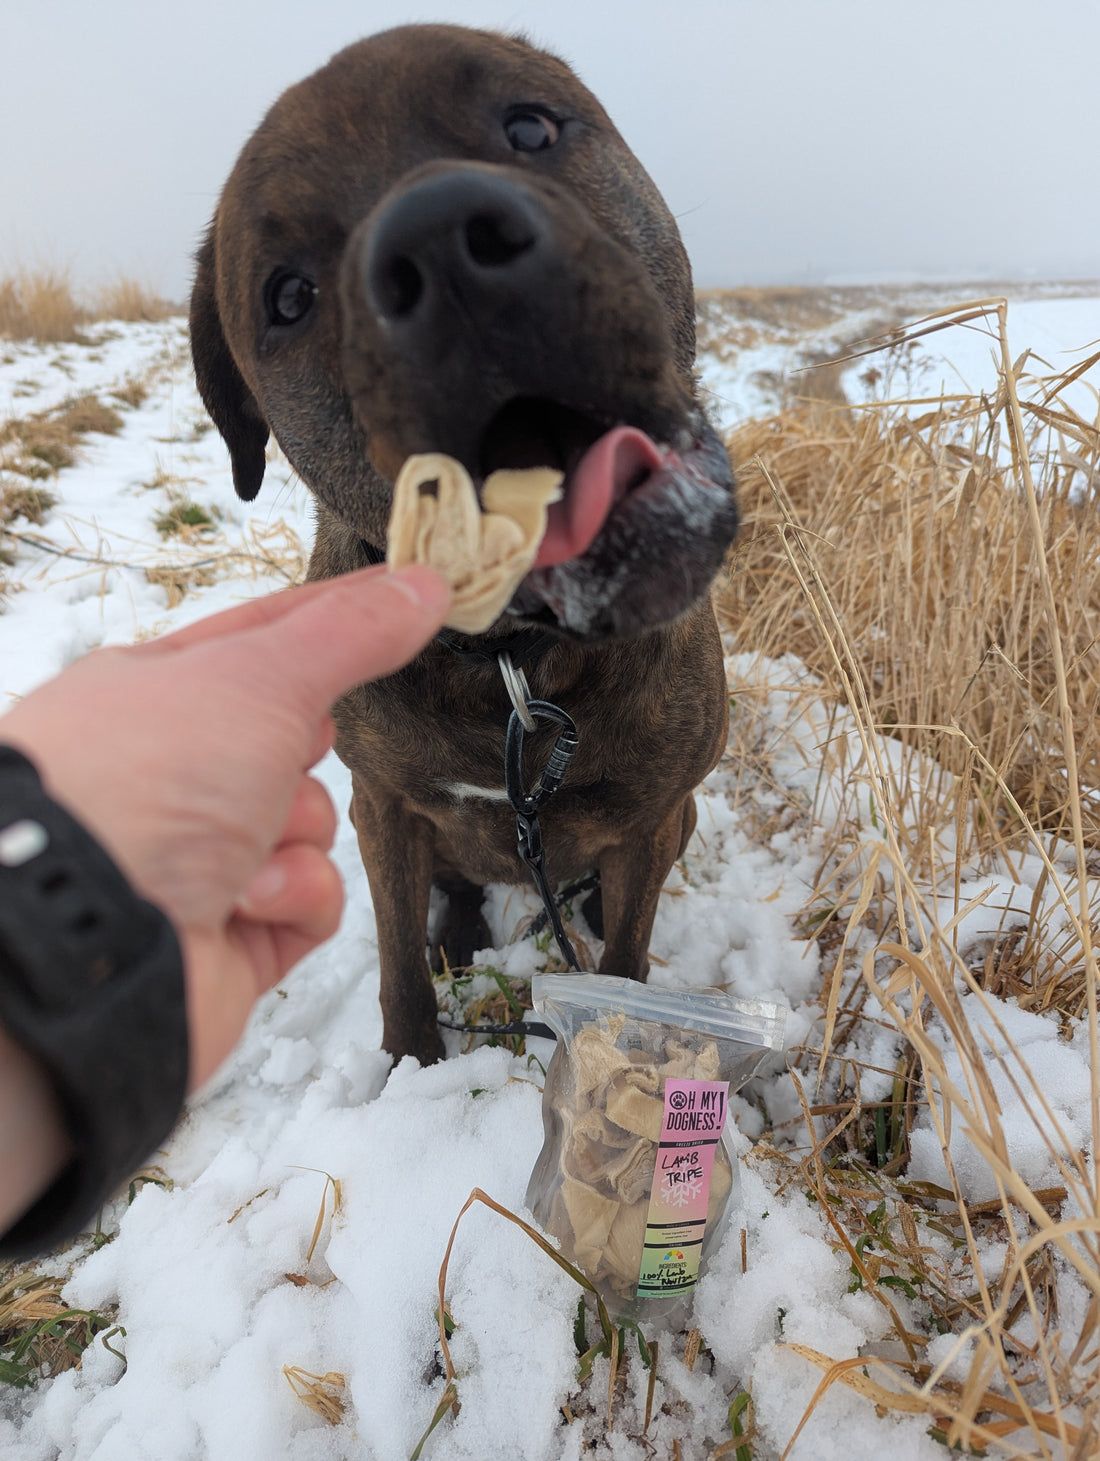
[[586, 1160], [590, 1216], [482, 554], [644, 1078], [524, 497], [595, 1056], [706, 1064], [679, 1061], [594, 1124], [631, 1174], [633, 1109], [626, 1172], [683, 1063], [622, 1256]]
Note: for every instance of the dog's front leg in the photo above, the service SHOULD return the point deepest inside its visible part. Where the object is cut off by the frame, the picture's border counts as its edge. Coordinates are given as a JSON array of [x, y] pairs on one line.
[[397, 851], [632, 874]]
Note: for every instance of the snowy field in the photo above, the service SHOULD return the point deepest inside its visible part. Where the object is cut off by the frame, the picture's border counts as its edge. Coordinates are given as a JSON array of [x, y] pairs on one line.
[[756, 363], [208, 1269]]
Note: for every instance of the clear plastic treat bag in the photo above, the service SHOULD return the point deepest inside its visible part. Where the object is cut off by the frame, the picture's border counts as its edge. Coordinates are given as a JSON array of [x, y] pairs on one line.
[[636, 1173]]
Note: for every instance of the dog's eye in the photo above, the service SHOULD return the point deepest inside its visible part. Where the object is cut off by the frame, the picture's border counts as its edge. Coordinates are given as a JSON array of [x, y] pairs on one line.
[[289, 297], [531, 131]]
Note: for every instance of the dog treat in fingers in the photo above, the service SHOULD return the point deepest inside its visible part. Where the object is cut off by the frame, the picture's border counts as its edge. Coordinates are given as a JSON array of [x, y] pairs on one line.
[[482, 550], [635, 1174]]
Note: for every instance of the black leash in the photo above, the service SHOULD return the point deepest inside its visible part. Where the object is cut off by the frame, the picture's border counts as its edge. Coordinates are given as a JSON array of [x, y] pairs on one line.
[[515, 1027], [527, 805], [582, 885]]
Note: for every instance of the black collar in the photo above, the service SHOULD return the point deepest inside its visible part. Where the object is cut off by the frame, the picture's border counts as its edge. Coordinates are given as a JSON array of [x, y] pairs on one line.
[[525, 646]]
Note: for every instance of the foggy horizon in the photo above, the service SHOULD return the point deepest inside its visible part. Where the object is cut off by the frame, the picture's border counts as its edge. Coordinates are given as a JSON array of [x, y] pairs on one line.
[[798, 142]]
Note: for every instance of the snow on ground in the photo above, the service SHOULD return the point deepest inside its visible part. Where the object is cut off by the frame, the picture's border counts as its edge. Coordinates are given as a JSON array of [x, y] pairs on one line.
[[754, 369], [37, 377], [210, 1274], [100, 593]]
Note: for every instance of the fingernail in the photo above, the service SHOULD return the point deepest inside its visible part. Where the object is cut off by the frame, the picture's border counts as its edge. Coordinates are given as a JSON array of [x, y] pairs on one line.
[[421, 586], [267, 884]]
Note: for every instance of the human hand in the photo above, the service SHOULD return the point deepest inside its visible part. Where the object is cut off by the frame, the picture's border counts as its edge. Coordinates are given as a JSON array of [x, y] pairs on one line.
[[187, 757]]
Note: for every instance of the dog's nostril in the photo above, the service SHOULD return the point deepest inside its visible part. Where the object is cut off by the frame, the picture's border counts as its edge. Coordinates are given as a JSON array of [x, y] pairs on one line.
[[493, 240], [399, 285]]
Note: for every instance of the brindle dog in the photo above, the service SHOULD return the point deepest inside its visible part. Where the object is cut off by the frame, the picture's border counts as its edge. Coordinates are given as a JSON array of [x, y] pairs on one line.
[[439, 242]]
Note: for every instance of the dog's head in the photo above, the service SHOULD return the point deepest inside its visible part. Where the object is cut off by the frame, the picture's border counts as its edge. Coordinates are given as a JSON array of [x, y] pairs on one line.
[[439, 242]]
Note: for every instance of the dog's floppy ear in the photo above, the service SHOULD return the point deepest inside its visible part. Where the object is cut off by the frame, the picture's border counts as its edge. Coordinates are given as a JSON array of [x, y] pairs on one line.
[[231, 404]]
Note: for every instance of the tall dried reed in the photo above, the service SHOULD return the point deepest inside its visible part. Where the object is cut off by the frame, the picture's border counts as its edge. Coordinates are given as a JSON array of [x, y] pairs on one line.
[[937, 565]]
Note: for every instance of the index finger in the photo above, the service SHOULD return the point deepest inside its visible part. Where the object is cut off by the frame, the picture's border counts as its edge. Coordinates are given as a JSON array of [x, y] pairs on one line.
[[253, 615], [356, 631]]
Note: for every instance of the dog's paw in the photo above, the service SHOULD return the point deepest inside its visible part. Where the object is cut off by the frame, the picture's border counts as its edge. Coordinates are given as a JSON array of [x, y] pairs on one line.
[[425, 1046]]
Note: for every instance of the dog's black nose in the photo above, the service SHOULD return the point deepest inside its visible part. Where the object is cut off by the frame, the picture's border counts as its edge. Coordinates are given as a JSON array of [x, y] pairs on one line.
[[464, 237]]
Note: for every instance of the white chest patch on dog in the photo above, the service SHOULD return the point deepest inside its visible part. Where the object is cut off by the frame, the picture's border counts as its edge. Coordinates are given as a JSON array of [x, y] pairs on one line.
[[467, 791], [483, 554]]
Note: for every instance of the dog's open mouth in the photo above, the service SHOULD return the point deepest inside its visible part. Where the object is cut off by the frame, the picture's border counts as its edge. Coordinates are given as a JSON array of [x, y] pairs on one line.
[[640, 530], [602, 465]]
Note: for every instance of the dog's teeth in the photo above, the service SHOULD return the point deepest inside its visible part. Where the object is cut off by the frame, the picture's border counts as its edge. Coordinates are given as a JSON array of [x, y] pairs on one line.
[[513, 490]]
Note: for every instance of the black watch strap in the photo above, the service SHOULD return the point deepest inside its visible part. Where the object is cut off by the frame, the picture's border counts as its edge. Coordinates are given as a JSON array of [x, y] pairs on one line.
[[91, 984]]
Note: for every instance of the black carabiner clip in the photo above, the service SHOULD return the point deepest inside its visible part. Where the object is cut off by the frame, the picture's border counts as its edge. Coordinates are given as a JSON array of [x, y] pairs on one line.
[[553, 773]]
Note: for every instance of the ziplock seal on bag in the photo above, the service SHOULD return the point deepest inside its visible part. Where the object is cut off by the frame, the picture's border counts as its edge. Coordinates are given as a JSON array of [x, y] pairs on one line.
[[636, 1172]]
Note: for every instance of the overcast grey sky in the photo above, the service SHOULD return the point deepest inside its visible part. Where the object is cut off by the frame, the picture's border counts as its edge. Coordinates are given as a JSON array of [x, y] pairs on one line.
[[796, 140]]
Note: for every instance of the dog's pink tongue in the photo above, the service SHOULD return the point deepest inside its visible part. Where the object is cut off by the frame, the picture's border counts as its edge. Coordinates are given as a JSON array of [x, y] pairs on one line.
[[608, 470]]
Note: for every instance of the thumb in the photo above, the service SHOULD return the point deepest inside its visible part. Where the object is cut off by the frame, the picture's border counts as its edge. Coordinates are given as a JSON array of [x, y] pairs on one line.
[[352, 629]]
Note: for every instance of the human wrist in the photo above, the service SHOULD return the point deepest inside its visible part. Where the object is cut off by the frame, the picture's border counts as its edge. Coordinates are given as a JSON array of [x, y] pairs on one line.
[[91, 991], [34, 1145], [75, 781]]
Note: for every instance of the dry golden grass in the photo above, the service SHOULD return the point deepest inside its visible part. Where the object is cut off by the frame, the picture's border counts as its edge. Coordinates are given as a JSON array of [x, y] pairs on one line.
[[32, 504], [43, 443], [790, 311], [940, 577], [924, 541], [186, 519], [40, 1333], [126, 298], [133, 392], [42, 304], [24, 502], [322, 1394], [39, 304], [35, 448], [272, 552]]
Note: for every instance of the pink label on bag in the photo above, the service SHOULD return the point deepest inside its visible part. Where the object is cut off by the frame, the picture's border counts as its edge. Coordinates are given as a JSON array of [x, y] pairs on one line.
[[695, 1117]]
